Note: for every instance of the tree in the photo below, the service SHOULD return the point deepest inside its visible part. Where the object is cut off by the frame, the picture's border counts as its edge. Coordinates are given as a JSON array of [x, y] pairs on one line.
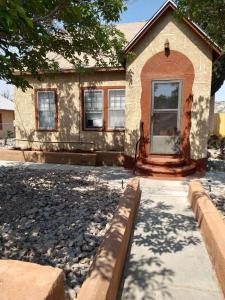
[[210, 16], [6, 94], [79, 30]]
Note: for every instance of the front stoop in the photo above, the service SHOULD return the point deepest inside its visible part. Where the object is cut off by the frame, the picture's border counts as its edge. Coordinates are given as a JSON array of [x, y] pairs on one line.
[[164, 166]]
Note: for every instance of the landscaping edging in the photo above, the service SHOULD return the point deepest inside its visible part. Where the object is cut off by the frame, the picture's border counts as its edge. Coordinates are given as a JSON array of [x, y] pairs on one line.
[[103, 281], [24, 280], [212, 228], [98, 158]]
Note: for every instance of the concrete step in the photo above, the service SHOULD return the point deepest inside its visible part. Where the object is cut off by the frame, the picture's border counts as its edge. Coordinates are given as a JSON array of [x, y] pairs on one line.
[[164, 161], [164, 171]]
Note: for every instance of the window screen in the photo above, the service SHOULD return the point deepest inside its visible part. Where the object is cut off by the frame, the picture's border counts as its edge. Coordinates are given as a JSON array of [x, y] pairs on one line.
[[46, 105], [93, 109], [116, 108]]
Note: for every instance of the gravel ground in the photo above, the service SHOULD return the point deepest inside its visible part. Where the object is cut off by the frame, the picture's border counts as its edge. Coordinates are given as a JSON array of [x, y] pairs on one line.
[[214, 183], [55, 217]]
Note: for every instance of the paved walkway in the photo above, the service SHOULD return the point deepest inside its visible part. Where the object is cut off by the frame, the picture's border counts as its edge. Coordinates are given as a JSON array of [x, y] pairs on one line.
[[168, 259]]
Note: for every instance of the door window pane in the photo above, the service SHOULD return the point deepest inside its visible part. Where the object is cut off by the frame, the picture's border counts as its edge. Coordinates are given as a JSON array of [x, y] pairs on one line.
[[116, 109], [166, 95], [165, 124], [93, 109], [46, 110]]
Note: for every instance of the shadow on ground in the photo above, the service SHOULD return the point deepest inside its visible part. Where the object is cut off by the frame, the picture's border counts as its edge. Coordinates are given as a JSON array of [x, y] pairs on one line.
[[160, 232]]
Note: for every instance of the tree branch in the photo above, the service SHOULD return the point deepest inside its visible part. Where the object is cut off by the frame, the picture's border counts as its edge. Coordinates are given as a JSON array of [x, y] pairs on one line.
[[52, 13]]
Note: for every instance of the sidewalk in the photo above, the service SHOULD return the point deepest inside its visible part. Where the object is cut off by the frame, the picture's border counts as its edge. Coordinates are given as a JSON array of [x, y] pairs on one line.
[[168, 259]]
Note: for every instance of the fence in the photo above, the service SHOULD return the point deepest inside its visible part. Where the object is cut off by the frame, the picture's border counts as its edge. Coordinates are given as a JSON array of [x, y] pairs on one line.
[[7, 130]]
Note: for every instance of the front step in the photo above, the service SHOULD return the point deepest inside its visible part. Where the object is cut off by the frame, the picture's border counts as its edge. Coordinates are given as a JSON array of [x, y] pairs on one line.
[[164, 161], [164, 171]]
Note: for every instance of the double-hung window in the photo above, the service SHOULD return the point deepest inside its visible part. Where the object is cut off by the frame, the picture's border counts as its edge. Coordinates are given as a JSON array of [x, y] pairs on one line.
[[93, 108], [46, 110], [116, 108], [104, 108]]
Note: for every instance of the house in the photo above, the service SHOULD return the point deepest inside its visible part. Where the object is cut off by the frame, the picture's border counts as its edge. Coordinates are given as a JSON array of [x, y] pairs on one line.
[[219, 119], [155, 108], [7, 117]]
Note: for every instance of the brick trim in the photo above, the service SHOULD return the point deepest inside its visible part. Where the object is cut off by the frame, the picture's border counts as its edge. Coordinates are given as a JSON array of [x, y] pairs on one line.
[[176, 66]]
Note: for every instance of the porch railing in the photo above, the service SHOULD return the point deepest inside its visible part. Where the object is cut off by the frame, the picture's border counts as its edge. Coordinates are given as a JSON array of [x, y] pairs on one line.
[[137, 146]]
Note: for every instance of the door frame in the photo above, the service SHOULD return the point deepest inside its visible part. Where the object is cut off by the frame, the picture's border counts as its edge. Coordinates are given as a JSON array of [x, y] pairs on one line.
[[179, 109]]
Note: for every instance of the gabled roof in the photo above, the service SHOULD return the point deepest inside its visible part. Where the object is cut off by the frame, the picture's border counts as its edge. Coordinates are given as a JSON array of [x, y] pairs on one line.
[[6, 104], [170, 5]]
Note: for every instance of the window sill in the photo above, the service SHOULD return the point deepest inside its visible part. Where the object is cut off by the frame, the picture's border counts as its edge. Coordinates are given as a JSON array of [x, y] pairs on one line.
[[103, 130], [47, 130]]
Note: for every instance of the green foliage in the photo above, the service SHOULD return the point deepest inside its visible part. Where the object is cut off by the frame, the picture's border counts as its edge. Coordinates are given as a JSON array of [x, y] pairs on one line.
[[79, 30], [216, 142], [210, 16], [9, 134]]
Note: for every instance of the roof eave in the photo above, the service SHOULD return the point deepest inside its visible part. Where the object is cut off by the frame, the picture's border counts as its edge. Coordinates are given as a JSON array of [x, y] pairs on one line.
[[72, 71]]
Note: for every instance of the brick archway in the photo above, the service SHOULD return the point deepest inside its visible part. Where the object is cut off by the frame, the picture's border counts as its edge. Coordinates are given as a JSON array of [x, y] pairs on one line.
[[176, 66]]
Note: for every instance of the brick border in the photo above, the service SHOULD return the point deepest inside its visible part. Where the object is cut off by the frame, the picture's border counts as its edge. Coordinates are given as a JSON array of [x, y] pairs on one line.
[[212, 228], [25, 280], [103, 281]]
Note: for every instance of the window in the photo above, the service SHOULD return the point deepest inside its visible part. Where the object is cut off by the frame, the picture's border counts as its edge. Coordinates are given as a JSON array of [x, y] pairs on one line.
[[104, 108], [116, 108], [46, 110], [93, 107]]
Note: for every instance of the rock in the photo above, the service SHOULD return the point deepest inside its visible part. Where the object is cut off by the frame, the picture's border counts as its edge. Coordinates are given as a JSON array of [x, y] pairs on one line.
[[85, 260], [54, 218]]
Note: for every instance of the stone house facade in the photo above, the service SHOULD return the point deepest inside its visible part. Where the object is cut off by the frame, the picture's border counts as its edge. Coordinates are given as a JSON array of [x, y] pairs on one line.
[[161, 98]]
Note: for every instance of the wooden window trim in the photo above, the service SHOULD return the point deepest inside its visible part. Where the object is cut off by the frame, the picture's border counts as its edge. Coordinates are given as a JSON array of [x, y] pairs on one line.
[[105, 90], [103, 110], [36, 109]]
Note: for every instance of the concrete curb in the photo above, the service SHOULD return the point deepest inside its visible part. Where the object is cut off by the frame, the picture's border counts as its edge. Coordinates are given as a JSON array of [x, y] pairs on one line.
[[212, 228], [103, 281]]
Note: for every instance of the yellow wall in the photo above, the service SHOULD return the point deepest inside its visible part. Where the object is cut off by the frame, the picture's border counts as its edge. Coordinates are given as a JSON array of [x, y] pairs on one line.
[[181, 39], [219, 124], [69, 134]]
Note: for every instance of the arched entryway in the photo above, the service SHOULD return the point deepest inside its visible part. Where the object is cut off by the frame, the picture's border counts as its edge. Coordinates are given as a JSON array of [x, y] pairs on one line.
[[166, 102]]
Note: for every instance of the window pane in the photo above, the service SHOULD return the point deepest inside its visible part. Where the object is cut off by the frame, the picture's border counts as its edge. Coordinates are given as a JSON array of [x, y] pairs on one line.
[[93, 107], [116, 99], [116, 119], [165, 123], [116, 107], [166, 95], [93, 100], [46, 110], [93, 120]]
